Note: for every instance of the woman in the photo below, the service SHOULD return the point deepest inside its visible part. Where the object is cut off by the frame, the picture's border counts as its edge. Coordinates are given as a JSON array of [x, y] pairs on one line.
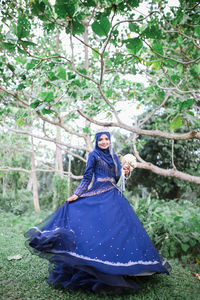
[[95, 240]]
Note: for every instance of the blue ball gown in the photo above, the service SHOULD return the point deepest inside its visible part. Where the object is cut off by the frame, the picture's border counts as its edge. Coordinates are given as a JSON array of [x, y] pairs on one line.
[[96, 241]]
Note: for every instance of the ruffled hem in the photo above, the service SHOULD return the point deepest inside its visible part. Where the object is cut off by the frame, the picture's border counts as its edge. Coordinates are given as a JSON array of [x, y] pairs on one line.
[[72, 271]]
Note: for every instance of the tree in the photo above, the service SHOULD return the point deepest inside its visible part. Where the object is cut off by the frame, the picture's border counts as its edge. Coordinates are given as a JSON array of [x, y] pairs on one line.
[[162, 44]]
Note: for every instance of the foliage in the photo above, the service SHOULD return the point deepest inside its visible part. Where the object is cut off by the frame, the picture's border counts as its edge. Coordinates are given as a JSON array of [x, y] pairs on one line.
[[18, 205], [60, 191], [173, 226], [46, 76], [13, 158], [159, 152], [46, 189], [164, 44]]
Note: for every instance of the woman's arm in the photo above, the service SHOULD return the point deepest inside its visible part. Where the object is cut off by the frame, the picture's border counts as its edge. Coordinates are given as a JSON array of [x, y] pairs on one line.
[[87, 177]]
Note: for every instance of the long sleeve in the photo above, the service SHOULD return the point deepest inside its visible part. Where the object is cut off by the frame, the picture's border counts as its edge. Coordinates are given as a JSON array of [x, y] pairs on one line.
[[87, 176]]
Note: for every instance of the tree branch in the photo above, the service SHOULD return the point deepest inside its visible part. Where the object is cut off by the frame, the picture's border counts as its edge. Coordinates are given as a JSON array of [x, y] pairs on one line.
[[125, 21], [173, 59], [109, 104], [7, 169], [184, 136], [60, 124], [168, 173], [73, 154], [44, 138], [15, 95]]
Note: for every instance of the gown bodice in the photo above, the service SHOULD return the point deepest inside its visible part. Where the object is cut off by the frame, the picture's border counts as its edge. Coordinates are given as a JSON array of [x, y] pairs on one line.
[[103, 176]]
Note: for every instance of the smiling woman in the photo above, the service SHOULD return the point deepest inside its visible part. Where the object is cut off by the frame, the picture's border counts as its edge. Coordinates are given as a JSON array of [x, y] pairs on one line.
[[103, 142], [95, 241]]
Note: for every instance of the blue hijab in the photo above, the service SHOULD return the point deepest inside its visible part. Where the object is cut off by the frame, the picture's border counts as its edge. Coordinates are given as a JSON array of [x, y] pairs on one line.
[[108, 155]]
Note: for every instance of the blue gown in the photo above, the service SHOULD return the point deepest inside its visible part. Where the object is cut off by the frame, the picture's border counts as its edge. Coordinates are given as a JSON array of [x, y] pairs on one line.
[[96, 241]]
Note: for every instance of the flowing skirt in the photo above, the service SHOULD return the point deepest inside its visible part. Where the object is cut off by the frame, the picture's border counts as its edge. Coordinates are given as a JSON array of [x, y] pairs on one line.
[[95, 242]]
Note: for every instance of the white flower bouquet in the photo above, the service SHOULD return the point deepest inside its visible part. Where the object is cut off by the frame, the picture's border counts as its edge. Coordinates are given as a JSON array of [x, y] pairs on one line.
[[130, 161]]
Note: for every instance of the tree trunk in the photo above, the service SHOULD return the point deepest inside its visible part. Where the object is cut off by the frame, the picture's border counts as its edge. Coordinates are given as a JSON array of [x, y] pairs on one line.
[[30, 184], [34, 179], [58, 158]]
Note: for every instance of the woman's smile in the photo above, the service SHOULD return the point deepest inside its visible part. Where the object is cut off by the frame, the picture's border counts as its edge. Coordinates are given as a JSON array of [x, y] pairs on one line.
[[103, 141]]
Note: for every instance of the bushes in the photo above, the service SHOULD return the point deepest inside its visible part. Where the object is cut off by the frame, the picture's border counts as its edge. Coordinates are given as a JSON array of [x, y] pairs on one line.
[[60, 191], [173, 226], [19, 204]]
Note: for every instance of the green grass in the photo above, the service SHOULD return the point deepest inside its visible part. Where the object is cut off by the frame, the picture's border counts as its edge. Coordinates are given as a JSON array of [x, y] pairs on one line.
[[25, 278]]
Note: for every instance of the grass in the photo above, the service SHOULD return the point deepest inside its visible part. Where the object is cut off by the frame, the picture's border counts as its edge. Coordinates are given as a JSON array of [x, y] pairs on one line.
[[25, 278]]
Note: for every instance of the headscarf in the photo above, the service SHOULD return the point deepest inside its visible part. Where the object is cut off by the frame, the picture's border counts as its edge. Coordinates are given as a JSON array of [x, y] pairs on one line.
[[108, 155]]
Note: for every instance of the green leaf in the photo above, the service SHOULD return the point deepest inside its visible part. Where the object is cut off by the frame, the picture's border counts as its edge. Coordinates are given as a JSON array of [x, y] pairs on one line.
[[77, 28], [52, 76], [11, 67], [109, 93], [186, 103], [65, 7], [35, 103], [192, 242], [61, 73], [37, 7], [133, 3], [152, 32], [8, 46], [101, 28], [180, 69], [170, 63], [32, 64], [49, 27], [175, 78], [28, 43], [23, 27], [134, 27], [47, 96], [197, 31], [82, 71], [89, 3], [86, 129], [46, 111], [185, 247], [72, 76], [20, 87], [176, 123], [157, 47], [134, 44], [21, 50], [156, 65], [20, 122], [95, 54]]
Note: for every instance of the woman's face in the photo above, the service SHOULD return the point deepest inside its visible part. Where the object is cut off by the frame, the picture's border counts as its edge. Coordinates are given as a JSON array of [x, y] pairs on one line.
[[103, 142]]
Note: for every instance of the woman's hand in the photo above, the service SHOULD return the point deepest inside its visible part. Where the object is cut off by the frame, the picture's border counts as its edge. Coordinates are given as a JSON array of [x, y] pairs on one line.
[[72, 198], [126, 170]]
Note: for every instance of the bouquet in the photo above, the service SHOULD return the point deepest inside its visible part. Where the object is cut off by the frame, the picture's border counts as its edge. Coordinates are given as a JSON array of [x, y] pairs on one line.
[[129, 160], [128, 163]]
